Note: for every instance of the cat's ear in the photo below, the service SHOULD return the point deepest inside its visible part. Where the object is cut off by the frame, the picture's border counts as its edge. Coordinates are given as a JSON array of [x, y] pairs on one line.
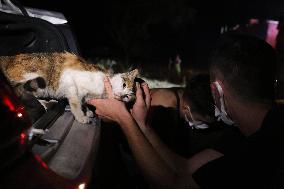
[[109, 75], [133, 73]]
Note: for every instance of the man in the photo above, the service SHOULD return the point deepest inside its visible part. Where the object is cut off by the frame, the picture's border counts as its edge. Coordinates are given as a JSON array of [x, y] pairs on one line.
[[243, 77], [242, 73]]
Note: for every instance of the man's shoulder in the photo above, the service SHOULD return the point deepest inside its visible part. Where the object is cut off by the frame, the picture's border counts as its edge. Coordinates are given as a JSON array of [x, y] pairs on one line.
[[244, 156]]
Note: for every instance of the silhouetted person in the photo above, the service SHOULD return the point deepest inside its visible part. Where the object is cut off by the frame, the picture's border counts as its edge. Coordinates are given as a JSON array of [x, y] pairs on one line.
[[242, 82]]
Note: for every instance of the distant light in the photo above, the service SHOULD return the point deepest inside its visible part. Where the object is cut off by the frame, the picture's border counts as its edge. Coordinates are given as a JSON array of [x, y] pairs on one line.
[[253, 21], [82, 186], [236, 27], [19, 114], [272, 32], [273, 22]]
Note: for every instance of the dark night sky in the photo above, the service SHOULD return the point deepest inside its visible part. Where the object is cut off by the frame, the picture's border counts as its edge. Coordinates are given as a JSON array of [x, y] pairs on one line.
[[87, 20]]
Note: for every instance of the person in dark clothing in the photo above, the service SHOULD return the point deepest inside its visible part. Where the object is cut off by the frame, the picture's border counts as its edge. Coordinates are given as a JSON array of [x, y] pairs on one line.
[[242, 75], [243, 71], [252, 162], [183, 118]]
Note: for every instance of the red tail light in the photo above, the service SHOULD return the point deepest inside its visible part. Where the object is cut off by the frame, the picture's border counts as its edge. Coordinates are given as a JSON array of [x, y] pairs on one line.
[[23, 138], [42, 163], [7, 101], [14, 119]]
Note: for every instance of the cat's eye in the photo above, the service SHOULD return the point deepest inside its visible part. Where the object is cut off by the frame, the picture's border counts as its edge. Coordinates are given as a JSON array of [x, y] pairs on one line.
[[124, 85]]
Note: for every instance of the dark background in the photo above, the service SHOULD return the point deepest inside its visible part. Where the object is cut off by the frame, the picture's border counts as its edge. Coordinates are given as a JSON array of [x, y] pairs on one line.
[[148, 30]]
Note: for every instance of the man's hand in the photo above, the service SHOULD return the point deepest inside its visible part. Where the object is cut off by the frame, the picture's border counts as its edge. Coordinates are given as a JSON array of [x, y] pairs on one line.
[[109, 108], [141, 106]]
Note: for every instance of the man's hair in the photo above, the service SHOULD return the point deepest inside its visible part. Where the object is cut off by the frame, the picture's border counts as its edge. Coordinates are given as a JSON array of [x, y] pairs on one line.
[[247, 65], [198, 91]]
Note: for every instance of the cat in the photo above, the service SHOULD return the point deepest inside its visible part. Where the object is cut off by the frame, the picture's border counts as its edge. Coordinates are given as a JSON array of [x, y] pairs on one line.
[[65, 75]]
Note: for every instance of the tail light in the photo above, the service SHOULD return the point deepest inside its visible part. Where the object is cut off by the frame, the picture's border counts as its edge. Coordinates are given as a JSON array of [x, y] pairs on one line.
[[14, 123], [13, 118]]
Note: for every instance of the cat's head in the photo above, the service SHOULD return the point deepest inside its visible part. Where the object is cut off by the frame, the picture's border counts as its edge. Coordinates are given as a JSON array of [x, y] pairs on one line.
[[123, 85]]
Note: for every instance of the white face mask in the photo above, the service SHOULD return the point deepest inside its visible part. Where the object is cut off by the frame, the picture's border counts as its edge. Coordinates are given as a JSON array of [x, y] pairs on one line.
[[194, 124], [222, 114]]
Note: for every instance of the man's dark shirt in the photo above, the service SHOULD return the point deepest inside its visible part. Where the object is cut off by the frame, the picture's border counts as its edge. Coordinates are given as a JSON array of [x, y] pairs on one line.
[[179, 136], [252, 162]]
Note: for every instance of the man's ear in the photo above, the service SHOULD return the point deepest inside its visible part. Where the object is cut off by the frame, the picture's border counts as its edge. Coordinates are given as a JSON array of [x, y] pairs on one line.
[[217, 92]]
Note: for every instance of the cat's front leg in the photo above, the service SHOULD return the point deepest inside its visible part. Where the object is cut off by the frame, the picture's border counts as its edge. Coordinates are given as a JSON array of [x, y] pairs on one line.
[[88, 97], [76, 107]]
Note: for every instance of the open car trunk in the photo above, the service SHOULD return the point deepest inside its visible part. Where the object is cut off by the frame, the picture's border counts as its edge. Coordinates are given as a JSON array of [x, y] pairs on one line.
[[68, 147]]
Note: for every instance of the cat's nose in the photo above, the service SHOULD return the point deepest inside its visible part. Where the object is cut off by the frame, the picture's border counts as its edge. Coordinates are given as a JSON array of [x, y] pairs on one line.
[[127, 97]]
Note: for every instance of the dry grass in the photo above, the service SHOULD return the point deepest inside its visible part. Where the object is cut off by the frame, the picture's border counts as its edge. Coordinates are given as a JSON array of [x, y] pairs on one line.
[[157, 74], [161, 76]]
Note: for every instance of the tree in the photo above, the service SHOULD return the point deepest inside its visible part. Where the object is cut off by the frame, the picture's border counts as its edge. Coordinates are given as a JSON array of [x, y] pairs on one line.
[[129, 23]]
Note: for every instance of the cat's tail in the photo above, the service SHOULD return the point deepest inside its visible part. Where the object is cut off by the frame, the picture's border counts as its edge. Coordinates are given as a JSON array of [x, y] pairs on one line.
[[30, 86], [34, 84]]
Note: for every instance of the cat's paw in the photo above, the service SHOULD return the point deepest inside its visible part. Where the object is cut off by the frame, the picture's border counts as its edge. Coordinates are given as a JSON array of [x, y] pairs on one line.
[[83, 119], [89, 113]]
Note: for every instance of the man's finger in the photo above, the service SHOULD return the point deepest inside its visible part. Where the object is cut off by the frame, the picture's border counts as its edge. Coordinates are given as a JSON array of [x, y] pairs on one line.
[[108, 88], [139, 95], [94, 102], [146, 90]]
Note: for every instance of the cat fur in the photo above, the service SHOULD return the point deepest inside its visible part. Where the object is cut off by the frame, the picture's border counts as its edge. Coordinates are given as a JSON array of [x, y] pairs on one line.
[[65, 75]]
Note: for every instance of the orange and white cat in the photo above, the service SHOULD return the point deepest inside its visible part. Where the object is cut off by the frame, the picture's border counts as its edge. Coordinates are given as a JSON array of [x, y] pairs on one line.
[[65, 75]]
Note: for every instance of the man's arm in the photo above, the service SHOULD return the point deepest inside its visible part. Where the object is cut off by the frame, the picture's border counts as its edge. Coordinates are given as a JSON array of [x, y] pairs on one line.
[[175, 161], [139, 113], [156, 170]]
